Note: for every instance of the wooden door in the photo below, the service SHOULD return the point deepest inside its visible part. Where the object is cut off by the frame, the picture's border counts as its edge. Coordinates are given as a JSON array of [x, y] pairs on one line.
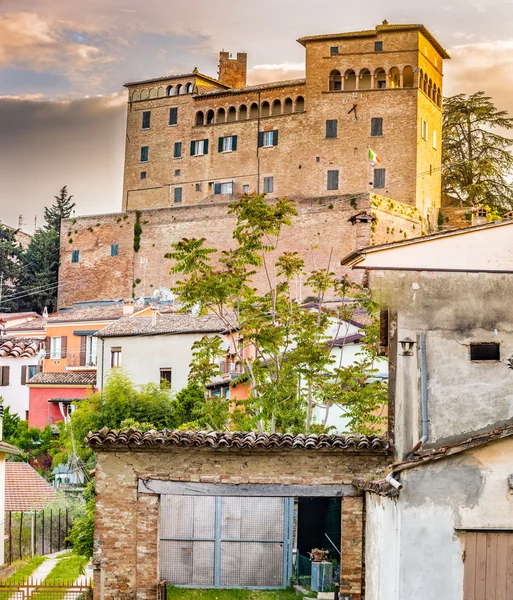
[[488, 566]]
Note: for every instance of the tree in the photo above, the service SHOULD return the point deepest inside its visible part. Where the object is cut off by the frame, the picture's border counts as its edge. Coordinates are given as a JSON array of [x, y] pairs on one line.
[[60, 210], [477, 161], [282, 347], [81, 535], [11, 268]]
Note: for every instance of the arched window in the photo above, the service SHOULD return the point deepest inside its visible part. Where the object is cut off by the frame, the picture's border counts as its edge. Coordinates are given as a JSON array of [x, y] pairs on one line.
[[210, 117], [232, 114], [179, 89], [253, 111], [276, 107], [144, 94], [153, 93], [365, 79], [243, 112], [438, 97], [200, 118], [335, 81], [425, 83], [408, 77], [170, 90], [221, 115], [430, 89], [161, 92], [394, 78], [288, 106], [188, 88], [136, 96], [350, 80], [380, 79], [265, 109], [300, 104]]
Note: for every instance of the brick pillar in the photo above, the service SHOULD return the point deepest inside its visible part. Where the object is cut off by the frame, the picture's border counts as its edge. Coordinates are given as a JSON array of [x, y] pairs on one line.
[[351, 561], [147, 572]]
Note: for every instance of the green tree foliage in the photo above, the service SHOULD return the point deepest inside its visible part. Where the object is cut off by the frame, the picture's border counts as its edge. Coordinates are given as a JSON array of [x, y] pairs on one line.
[[11, 268], [282, 347], [477, 159], [81, 535], [60, 210]]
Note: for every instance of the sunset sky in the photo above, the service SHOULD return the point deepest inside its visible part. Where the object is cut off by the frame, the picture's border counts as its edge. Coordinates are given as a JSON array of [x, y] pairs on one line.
[[63, 64]]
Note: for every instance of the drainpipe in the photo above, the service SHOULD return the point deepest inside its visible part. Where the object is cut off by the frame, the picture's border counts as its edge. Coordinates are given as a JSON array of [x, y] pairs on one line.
[[423, 393], [393, 482]]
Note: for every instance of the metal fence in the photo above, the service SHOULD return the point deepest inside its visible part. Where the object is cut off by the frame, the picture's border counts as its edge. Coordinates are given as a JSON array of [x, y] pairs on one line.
[[27, 534], [37, 590]]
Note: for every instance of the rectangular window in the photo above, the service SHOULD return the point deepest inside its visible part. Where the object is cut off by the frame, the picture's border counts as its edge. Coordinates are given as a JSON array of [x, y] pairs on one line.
[[485, 352], [4, 375], [165, 377], [115, 357], [177, 151], [245, 189], [267, 138], [434, 141], [146, 119], [333, 177], [143, 174], [55, 347], [378, 46], [177, 172], [173, 116], [424, 130], [198, 187], [331, 128], [32, 371], [199, 147], [223, 188], [145, 152], [376, 126], [379, 178], [91, 351], [268, 185], [75, 256], [333, 50], [114, 249], [178, 194], [227, 144]]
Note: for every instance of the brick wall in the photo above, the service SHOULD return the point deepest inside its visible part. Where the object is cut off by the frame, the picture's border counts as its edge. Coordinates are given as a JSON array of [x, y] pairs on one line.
[[127, 523]]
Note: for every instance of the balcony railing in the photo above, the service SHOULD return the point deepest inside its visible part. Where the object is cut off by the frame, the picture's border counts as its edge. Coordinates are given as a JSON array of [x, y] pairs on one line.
[[230, 368], [81, 361]]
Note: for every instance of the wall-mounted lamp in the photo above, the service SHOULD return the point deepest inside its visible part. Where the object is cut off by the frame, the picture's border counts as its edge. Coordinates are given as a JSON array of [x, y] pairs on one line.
[[407, 346]]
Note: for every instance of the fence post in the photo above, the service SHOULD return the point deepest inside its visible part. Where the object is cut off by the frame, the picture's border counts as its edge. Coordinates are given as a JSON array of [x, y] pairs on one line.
[[51, 531], [59, 532], [32, 533], [43, 534], [21, 532], [67, 527], [10, 537]]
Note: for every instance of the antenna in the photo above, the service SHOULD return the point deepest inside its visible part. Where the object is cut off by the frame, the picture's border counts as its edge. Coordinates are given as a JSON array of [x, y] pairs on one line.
[[20, 221], [35, 222]]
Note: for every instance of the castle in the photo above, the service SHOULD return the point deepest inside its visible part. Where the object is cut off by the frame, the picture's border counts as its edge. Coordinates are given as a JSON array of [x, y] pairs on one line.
[[194, 143]]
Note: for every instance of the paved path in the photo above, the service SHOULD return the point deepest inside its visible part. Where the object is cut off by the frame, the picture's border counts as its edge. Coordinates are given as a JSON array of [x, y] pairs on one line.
[[44, 569]]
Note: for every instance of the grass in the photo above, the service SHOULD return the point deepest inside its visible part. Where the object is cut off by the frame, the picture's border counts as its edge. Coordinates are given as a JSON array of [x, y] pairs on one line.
[[24, 570], [68, 568], [175, 593]]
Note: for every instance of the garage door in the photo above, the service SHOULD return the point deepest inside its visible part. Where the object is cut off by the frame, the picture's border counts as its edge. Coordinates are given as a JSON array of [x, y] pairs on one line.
[[235, 542], [488, 566]]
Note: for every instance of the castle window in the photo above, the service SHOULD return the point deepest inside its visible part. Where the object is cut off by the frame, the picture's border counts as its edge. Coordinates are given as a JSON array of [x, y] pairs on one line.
[[394, 78], [331, 128], [245, 189], [268, 185], [365, 79], [434, 141], [232, 114], [276, 107], [221, 115], [424, 129], [170, 90], [430, 89], [300, 104], [200, 118], [114, 249], [425, 83], [179, 89], [379, 178], [408, 77], [177, 194], [177, 150], [378, 46], [380, 79], [145, 153], [210, 117], [335, 81], [243, 112], [288, 106], [143, 174], [267, 138], [198, 187], [136, 96], [266, 109], [223, 188], [333, 177], [350, 80], [146, 116], [253, 111], [74, 256], [144, 94], [161, 92], [177, 172], [199, 147], [485, 352], [376, 126], [333, 50], [188, 88], [227, 144], [153, 93], [173, 115]]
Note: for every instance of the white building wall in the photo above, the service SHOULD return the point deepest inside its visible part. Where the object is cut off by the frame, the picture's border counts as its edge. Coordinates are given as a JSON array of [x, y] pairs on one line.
[[15, 395]]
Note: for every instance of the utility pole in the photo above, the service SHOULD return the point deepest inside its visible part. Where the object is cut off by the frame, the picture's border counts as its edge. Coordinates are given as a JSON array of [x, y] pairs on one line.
[[1, 285]]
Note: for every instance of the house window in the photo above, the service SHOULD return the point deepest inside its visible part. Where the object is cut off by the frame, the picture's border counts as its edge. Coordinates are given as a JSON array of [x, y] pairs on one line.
[[376, 126], [114, 249], [434, 141], [143, 174], [378, 46], [485, 352], [91, 350], [115, 357], [223, 188], [333, 50], [146, 119], [178, 194], [57, 348], [4, 375], [177, 151], [198, 187], [245, 189], [199, 147], [173, 116], [424, 130], [27, 372], [75, 256], [165, 377], [379, 178], [177, 172], [268, 185], [267, 138], [331, 128], [145, 151], [333, 177], [227, 144]]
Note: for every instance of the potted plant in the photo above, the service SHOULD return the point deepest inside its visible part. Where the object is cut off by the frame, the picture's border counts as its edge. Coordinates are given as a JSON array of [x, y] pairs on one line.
[[318, 555]]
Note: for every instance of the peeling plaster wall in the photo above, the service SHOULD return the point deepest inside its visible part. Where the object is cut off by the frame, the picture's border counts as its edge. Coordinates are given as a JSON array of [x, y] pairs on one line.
[[415, 543]]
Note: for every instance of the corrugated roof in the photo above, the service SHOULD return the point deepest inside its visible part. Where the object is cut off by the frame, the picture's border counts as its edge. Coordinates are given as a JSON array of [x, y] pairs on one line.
[[25, 489], [234, 439], [19, 347], [252, 88], [67, 378], [166, 324]]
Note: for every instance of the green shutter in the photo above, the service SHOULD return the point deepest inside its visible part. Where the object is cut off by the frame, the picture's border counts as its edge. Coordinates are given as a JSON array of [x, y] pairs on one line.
[[178, 194], [234, 142], [217, 188], [205, 146], [173, 116], [193, 148], [177, 150], [260, 139], [275, 137], [220, 144]]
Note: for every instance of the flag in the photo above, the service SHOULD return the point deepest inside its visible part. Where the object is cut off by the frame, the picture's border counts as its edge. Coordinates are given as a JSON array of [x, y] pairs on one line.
[[373, 157]]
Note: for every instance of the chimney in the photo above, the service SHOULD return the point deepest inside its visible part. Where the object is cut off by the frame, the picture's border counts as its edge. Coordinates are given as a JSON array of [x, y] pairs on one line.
[[154, 313], [232, 71], [1, 422], [128, 308]]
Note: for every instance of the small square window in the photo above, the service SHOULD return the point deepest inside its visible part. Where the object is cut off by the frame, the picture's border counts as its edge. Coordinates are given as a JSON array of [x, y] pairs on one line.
[[268, 185], [198, 187], [177, 172], [317, 159], [74, 256], [245, 189], [485, 352], [165, 377], [143, 174], [333, 50], [114, 249], [378, 46], [211, 185], [227, 188]]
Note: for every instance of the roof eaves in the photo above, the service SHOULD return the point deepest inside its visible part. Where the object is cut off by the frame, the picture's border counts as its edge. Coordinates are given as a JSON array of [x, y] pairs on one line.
[[172, 77]]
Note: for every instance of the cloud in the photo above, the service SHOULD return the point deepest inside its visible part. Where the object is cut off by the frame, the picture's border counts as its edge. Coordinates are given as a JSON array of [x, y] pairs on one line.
[[269, 73]]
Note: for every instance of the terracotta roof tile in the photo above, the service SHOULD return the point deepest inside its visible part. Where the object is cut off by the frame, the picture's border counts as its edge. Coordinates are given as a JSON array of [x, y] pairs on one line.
[[32, 325], [253, 88], [18, 315], [68, 378], [25, 489], [101, 312], [19, 347]]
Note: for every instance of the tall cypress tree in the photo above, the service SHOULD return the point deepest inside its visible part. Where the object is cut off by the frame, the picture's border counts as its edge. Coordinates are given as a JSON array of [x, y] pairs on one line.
[[60, 210], [11, 268]]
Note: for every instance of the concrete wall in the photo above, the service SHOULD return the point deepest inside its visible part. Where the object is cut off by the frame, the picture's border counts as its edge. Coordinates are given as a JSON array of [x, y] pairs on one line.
[[415, 543], [15, 395]]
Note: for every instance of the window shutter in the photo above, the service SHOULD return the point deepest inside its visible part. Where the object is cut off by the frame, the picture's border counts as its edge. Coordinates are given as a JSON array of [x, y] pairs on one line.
[[205, 146], [383, 333], [220, 144], [193, 148], [83, 350], [333, 180], [48, 346], [376, 126], [234, 142], [178, 194], [260, 139], [64, 342], [379, 178], [23, 374], [146, 116], [173, 116], [177, 150], [331, 128], [5, 375], [275, 137], [217, 188]]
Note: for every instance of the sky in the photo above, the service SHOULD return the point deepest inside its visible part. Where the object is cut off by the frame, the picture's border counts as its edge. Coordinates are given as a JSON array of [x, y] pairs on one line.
[[63, 64]]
